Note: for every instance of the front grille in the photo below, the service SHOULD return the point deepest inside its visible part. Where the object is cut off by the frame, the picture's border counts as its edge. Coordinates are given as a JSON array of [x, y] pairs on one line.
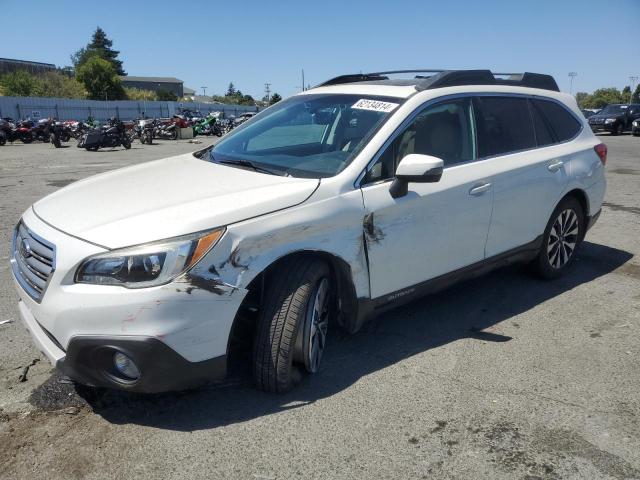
[[33, 261]]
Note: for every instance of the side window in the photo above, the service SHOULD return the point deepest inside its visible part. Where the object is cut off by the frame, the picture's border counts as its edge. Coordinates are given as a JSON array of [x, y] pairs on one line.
[[504, 125], [562, 123], [544, 134], [443, 130]]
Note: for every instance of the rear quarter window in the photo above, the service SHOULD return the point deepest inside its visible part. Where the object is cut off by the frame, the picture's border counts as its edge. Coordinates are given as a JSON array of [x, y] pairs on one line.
[[563, 124]]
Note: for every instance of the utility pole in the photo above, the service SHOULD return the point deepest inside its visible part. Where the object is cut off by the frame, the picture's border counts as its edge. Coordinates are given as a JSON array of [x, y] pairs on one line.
[[303, 89], [204, 91], [267, 92], [572, 75], [633, 79]]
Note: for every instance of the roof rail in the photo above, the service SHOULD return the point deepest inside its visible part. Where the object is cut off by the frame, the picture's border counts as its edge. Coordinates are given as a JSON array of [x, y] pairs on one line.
[[451, 78]]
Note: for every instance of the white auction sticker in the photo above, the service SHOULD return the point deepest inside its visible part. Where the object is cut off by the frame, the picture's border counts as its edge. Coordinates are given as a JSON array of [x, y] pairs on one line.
[[374, 105]]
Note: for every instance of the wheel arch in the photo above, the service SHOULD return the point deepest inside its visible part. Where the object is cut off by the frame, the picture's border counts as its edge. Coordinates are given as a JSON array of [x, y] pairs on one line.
[[582, 198], [347, 302]]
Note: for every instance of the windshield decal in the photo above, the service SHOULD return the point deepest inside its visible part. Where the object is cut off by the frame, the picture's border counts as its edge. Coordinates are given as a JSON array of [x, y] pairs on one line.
[[374, 105]]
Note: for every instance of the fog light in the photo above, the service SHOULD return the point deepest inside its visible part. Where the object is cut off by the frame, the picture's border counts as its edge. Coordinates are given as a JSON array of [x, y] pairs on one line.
[[125, 366]]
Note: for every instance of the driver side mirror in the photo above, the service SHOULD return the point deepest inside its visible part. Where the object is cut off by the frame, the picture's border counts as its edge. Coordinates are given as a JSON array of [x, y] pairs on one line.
[[415, 168]]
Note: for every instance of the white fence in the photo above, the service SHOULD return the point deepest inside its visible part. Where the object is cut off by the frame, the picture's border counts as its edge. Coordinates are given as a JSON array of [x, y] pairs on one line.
[[70, 109]]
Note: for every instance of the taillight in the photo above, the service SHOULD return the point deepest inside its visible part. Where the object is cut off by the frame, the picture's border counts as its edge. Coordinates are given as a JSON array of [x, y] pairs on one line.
[[601, 150]]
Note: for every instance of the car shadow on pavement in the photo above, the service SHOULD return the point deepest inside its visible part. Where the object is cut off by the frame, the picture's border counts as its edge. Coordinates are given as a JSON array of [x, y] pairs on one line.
[[462, 311]]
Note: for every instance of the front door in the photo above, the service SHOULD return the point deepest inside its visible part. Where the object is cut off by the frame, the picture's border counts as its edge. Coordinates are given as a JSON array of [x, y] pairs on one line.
[[437, 227]]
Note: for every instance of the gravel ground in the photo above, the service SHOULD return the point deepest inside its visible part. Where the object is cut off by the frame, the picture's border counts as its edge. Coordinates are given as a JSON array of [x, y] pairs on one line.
[[501, 377]]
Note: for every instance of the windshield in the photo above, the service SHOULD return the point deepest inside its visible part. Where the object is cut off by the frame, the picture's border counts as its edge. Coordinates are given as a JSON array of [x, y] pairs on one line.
[[311, 136], [613, 110]]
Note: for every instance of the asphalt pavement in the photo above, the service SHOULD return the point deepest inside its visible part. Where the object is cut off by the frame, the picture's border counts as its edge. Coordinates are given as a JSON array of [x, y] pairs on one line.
[[501, 377]]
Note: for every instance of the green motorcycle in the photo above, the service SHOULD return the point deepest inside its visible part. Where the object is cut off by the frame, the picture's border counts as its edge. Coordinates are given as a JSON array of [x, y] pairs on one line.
[[206, 126]]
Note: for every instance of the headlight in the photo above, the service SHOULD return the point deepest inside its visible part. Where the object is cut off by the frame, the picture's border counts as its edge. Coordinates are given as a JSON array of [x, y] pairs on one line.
[[148, 265], [636, 123], [610, 120]]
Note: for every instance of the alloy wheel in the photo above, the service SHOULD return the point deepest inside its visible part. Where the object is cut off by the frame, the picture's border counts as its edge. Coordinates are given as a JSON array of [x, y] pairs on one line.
[[563, 238], [316, 326]]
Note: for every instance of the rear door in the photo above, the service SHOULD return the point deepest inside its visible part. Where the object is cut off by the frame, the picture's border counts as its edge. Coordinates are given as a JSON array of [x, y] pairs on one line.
[[525, 142]]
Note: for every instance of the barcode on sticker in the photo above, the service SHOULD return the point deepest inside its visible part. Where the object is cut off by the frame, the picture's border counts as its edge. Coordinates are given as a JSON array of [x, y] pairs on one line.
[[374, 105]]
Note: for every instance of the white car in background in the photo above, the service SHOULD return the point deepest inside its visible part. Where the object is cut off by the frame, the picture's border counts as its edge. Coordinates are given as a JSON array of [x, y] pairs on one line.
[[325, 209]]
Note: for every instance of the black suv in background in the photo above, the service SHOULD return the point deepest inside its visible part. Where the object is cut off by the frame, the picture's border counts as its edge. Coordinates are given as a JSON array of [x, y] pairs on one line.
[[615, 118]]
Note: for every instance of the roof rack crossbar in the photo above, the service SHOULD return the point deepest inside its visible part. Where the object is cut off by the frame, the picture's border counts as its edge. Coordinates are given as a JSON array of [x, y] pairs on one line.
[[451, 78]]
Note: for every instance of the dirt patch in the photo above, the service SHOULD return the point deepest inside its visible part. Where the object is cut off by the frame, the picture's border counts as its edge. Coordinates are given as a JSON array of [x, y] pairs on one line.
[[567, 442], [56, 393], [629, 269], [622, 208], [61, 183], [624, 171]]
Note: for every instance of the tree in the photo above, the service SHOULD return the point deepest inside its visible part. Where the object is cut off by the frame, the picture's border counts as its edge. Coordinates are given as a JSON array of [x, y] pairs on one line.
[[231, 91], [581, 97], [636, 94], [100, 79], [139, 94], [602, 97], [275, 98], [166, 95], [626, 94], [100, 46], [20, 84], [59, 85]]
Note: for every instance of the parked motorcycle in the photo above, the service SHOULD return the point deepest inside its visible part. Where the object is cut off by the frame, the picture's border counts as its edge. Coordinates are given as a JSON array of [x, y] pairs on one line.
[[112, 135], [168, 128], [23, 131], [206, 125], [9, 132], [143, 130], [77, 129]]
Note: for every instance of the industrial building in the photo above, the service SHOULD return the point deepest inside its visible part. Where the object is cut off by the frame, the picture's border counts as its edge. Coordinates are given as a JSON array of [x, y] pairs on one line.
[[8, 65], [155, 84]]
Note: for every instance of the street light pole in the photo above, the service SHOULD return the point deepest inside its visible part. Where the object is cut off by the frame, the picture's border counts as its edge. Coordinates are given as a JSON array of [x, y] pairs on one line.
[[204, 91], [267, 91], [572, 75], [633, 79]]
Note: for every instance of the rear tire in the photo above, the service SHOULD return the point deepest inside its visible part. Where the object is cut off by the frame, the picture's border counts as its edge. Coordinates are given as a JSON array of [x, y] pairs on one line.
[[55, 141], [289, 318], [562, 237]]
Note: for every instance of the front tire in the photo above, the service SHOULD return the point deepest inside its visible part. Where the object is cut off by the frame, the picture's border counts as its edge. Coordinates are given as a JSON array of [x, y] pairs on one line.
[[562, 237], [618, 129], [293, 323]]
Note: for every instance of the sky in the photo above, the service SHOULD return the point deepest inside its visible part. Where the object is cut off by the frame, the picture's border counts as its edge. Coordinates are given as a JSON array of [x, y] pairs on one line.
[[249, 43]]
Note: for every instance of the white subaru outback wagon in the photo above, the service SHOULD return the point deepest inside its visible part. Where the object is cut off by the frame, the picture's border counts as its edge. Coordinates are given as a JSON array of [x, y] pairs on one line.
[[323, 210]]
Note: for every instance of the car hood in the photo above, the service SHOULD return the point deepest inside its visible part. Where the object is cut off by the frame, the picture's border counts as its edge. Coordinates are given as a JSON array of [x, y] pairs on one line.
[[166, 198], [617, 116]]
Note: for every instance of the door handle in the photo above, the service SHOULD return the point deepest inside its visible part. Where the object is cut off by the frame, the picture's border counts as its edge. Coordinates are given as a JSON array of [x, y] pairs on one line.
[[555, 166], [480, 189]]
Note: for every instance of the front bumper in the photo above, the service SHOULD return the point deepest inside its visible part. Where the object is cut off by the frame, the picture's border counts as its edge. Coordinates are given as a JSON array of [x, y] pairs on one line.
[[183, 326], [89, 360], [601, 127]]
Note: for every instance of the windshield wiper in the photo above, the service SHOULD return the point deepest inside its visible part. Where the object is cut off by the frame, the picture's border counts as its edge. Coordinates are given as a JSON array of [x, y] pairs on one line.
[[253, 166]]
